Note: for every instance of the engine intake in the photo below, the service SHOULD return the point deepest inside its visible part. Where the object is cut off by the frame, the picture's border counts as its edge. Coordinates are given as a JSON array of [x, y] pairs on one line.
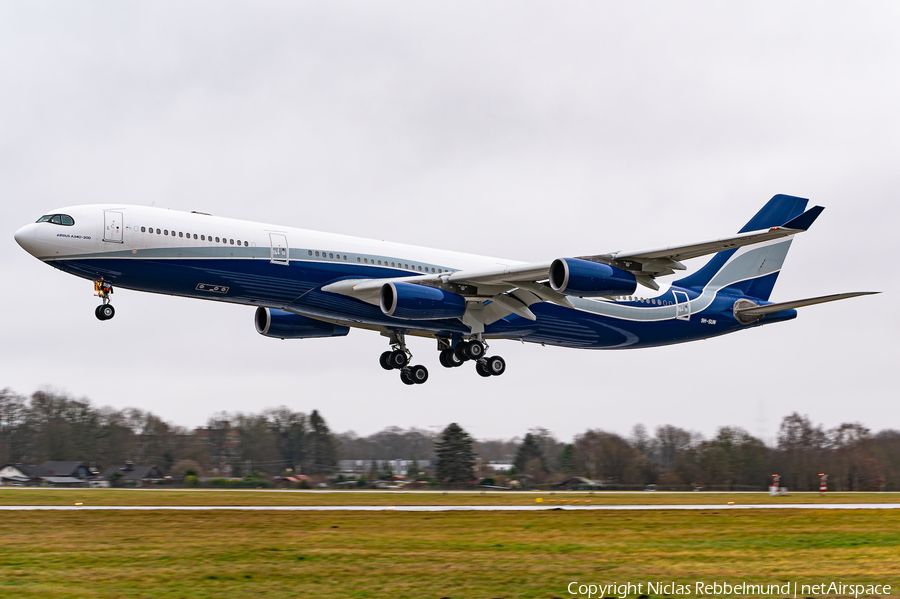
[[419, 302], [286, 325], [573, 276]]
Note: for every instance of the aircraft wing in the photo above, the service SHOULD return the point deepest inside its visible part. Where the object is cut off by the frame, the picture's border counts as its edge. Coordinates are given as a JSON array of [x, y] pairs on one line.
[[648, 264], [511, 289]]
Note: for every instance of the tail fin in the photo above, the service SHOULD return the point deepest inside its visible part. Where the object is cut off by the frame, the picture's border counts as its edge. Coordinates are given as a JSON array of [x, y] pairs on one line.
[[754, 271]]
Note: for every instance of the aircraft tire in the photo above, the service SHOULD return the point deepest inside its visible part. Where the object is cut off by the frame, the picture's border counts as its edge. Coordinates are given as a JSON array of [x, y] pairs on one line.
[[418, 374], [462, 351], [475, 350], [495, 365], [399, 359], [385, 360], [105, 311], [481, 369], [404, 376], [452, 360], [444, 359]]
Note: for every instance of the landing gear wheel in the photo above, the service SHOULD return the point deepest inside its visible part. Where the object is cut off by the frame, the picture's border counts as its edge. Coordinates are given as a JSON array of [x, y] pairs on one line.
[[481, 369], [385, 360], [475, 350], [398, 359], [495, 365], [418, 374], [452, 360], [404, 376], [448, 359], [462, 351], [105, 312]]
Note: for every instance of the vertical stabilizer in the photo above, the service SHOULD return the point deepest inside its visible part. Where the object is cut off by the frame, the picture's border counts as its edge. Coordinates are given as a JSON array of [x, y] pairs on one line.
[[755, 273]]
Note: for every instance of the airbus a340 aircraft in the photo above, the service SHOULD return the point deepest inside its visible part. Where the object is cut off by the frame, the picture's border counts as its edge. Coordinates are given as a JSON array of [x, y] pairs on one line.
[[308, 284]]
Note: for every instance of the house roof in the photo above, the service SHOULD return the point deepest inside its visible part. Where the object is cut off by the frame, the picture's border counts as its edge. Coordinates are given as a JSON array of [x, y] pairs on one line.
[[61, 468], [29, 470], [136, 472]]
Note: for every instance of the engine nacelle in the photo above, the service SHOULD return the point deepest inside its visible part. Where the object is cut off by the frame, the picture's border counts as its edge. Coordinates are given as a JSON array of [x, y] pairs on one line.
[[419, 302], [572, 276], [286, 325]]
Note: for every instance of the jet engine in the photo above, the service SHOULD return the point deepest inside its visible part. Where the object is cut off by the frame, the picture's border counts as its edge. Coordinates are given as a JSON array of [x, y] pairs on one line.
[[286, 325], [573, 276], [419, 302]]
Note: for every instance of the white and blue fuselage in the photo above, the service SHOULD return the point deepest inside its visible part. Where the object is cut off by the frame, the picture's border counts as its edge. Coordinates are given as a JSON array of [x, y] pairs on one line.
[[284, 268]]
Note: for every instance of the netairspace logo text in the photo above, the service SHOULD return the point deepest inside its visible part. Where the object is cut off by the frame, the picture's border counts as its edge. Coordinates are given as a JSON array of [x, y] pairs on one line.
[[719, 589]]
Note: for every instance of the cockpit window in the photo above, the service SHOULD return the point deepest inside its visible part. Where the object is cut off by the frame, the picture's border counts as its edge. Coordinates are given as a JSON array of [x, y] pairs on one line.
[[57, 219]]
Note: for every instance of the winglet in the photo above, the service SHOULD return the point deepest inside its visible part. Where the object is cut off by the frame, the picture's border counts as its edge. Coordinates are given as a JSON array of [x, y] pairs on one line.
[[805, 220]]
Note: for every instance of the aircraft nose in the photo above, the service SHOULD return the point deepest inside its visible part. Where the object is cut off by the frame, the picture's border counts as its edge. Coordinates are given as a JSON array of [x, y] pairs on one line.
[[25, 238]]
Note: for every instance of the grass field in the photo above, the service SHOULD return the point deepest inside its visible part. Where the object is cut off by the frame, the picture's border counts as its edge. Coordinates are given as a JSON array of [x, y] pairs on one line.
[[431, 555], [25, 496]]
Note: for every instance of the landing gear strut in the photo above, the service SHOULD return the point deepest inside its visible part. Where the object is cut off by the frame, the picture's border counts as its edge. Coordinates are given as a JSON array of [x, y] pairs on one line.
[[399, 357], [104, 311], [472, 350]]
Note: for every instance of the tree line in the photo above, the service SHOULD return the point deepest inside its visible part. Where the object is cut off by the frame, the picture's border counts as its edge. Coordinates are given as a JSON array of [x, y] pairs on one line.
[[278, 441]]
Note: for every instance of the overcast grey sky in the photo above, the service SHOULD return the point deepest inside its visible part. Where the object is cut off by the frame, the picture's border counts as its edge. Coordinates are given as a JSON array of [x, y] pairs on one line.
[[515, 129]]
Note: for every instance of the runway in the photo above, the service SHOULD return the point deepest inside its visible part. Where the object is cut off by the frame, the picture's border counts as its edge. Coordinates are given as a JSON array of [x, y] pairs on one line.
[[449, 508]]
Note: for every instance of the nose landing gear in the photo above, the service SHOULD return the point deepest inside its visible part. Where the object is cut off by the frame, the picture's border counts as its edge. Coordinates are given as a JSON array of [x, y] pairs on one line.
[[398, 358], [104, 311]]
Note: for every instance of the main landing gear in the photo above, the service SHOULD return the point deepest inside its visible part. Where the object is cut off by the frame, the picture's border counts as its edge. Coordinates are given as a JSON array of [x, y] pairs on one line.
[[473, 350], [104, 311], [398, 358]]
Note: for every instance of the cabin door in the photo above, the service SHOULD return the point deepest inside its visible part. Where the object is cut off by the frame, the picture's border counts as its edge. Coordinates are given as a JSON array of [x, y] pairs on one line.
[[112, 226], [279, 248], [682, 305]]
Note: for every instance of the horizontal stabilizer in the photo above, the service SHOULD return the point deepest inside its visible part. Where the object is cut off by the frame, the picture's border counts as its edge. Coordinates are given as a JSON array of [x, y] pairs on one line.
[[760, 311]]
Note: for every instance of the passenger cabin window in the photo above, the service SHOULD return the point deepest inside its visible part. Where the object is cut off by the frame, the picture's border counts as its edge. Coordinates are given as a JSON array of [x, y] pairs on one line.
[[57, 219]]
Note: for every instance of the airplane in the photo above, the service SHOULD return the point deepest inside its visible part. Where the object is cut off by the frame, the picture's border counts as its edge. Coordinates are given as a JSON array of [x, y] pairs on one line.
[[309, 284]]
